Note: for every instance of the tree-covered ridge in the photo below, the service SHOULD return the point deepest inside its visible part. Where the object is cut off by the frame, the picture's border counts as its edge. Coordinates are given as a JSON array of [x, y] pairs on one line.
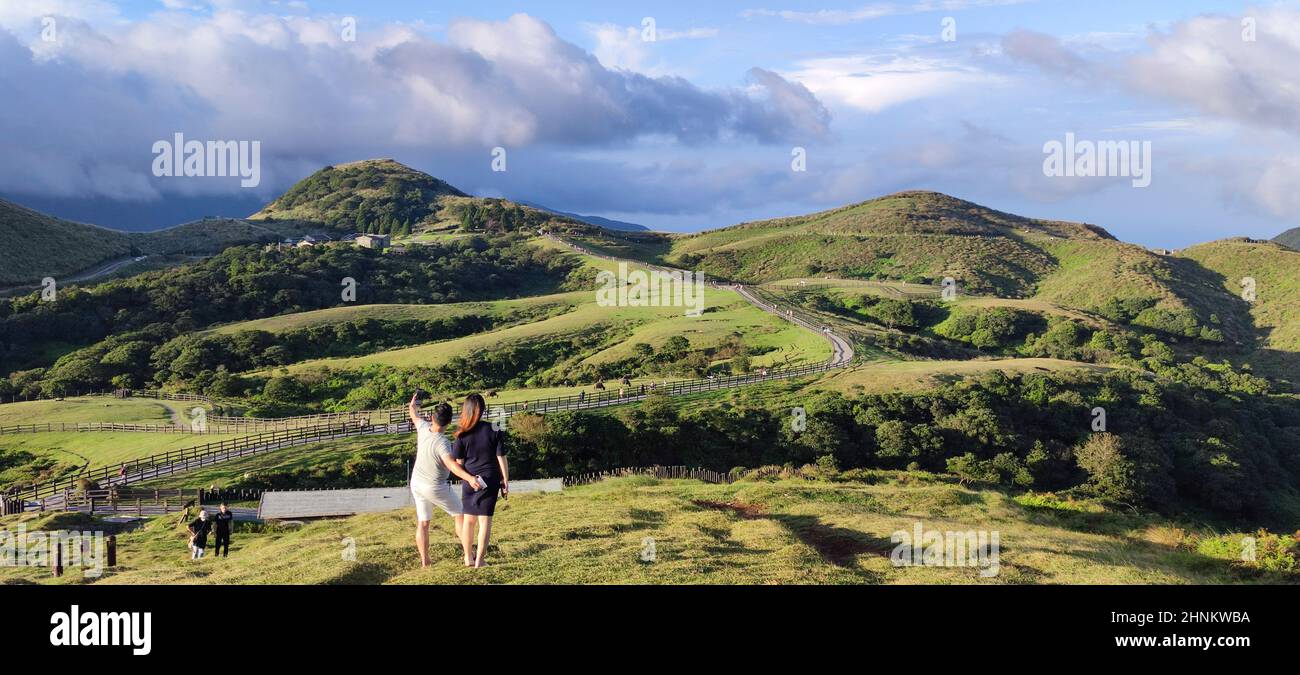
[[251, 282], [363, 196]]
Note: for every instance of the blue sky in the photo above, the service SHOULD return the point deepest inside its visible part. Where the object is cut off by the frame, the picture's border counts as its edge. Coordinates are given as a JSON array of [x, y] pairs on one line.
[[692, 130]]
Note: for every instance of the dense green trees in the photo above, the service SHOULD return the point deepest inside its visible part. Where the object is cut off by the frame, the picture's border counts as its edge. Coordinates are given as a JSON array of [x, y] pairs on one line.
[[1170, 445]]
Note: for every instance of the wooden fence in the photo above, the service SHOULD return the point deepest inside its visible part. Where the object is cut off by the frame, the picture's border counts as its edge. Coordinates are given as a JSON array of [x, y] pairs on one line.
[[661, 472], [176, 461], [114, 501]]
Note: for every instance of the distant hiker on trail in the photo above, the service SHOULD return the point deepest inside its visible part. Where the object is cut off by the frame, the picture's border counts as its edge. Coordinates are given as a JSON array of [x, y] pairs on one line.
[[433, 465], [199, 529], [482, 451], [221, 527]]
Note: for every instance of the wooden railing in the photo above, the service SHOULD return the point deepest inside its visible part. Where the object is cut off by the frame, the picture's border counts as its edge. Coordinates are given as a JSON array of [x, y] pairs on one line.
[[177, 461], [115, 501]]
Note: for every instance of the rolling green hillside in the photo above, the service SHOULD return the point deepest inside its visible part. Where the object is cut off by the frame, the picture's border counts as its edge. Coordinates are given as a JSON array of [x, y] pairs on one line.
[[921, 237], [1275, 312], [908, 236], [37, 245]]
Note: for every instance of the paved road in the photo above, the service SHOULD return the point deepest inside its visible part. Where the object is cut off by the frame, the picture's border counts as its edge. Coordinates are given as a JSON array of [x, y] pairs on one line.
[[103, 269]]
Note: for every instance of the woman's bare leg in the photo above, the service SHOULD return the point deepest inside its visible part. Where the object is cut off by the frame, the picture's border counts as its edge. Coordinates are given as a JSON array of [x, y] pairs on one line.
[[459, 521], [484, 532], [467, 533], [422, 541]]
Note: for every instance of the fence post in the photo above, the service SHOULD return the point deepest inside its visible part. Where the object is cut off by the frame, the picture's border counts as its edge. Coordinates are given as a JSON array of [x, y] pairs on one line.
[[112, 550], [56, 561]]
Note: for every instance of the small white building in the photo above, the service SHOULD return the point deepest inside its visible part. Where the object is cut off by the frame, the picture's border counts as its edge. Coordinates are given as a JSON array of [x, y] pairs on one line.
[[378, 241]]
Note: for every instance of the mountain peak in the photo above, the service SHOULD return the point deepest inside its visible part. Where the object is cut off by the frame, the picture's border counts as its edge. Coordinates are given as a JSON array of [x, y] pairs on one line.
[[362, 193], [1289, 239]]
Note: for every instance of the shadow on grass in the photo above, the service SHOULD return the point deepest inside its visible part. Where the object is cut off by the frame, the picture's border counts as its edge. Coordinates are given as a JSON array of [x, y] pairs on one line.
[[837, 546], [361, 574]]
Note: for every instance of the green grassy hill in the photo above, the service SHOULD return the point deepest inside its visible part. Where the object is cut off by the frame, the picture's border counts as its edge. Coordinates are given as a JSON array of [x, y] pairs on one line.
[[37, 245], [1275, 312], [788, 531], [921, 237], [1289, 239], [909, 236]]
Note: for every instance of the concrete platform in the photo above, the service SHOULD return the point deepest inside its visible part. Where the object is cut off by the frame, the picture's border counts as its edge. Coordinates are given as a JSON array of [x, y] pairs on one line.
[[297, 504]]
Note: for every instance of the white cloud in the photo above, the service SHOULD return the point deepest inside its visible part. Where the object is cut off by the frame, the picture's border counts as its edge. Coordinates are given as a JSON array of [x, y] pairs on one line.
[[1204, 62], [874, 82], [624, 47], [874, 11]]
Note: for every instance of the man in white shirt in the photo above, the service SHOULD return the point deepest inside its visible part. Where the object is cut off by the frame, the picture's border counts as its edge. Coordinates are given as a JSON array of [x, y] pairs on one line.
[[433, 464]]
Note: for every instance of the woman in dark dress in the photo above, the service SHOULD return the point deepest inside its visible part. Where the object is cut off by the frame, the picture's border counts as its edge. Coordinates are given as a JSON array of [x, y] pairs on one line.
[[481, 450]]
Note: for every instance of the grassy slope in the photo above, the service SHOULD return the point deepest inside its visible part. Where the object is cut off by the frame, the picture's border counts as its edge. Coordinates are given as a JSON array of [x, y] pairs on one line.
[[787, 532], [924, 236], [725, 313], [909, 235], [37, 245], [389, 312], [887, 376], [91, 409], [96, 449], [1289, 239], [1276, 310]]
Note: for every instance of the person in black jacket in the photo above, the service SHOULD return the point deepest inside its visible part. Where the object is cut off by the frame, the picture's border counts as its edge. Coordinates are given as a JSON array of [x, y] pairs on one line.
[[221, 528], [481, 450], [199, 529]]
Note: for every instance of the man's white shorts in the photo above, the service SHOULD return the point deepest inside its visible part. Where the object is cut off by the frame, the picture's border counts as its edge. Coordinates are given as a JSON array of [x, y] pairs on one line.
[[428, 496]]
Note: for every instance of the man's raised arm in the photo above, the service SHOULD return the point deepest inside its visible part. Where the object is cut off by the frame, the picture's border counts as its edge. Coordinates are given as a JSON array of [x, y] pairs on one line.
[[413, 410]]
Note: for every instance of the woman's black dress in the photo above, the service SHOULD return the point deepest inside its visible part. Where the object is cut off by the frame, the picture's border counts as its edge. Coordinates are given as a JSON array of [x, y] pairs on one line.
[[479, 448]]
